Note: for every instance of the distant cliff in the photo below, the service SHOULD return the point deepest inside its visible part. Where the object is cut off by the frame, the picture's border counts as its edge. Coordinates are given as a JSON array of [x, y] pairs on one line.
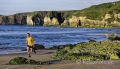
[[102, 15]]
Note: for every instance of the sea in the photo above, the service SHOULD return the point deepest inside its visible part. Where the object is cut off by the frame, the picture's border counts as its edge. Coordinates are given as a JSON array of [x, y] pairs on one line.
[[13, 38]]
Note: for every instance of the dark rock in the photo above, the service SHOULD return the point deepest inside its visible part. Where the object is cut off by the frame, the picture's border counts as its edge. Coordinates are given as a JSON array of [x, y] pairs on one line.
[[61, 47], [114, 38], [53, 48], [110, 38], [18, 60], [4, 19], [92, 41], [13, 20], [117, 38], [22, 60], [38, 46], [20, 19]]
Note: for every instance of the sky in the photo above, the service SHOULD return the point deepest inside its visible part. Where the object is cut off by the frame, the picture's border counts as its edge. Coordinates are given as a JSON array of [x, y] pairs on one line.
[[8, 7]]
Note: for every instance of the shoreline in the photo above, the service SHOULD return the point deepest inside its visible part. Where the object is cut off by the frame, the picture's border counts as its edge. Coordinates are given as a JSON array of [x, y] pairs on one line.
[[11, 52], [25, 52], [17, 52]]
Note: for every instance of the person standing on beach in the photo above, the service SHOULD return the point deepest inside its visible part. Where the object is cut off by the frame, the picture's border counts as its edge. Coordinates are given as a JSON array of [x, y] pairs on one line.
[[29, 42]]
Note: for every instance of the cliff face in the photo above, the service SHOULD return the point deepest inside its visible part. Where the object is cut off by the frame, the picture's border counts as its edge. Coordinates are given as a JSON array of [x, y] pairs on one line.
[[47, 21], [103, 15], [13, 20], [107, 21], [0, 19], [46, 18], [74, 21], [19, 19], [41, 18], [3, 20], [29, 20], [50, 22]]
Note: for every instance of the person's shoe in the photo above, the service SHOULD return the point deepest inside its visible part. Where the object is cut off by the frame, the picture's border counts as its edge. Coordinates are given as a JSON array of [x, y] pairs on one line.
[[29, 55]]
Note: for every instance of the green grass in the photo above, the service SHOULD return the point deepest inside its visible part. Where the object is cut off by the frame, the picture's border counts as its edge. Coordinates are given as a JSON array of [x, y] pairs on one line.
[[95, 12]]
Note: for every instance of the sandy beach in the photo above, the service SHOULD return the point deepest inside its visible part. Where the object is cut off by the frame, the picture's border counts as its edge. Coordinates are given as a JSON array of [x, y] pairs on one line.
[[45, 55]]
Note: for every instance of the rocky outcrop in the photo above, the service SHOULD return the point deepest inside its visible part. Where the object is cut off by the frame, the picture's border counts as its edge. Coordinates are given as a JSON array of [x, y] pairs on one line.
[[72, 22], [11, 19], [117, 16], [47, 21], [6, 20], [84, 22], [19, 19], [50, 21], [94, 23], [0, 19], [37, 20], [29, 20], [55, 21], [107, 16], [24, 20], [25, 61], [66, 23], [38, 46]]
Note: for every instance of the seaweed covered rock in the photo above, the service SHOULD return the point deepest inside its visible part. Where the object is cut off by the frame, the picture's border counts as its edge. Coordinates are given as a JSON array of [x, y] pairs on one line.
[[110, 38], [114, 38], [22, 60], [18, 60], [92, 41], [114, 57], [89, 51], [38, 46], [53, 48], [61, 47]]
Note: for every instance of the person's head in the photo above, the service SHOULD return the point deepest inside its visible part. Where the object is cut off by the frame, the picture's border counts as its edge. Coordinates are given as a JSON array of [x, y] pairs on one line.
[[28, 34]]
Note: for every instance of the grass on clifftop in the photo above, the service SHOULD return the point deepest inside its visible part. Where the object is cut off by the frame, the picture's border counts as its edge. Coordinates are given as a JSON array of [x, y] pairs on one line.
[[96, 12]]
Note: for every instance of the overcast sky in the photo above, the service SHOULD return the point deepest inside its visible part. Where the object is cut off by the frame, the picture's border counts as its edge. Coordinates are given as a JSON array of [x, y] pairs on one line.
[[16, 6]]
